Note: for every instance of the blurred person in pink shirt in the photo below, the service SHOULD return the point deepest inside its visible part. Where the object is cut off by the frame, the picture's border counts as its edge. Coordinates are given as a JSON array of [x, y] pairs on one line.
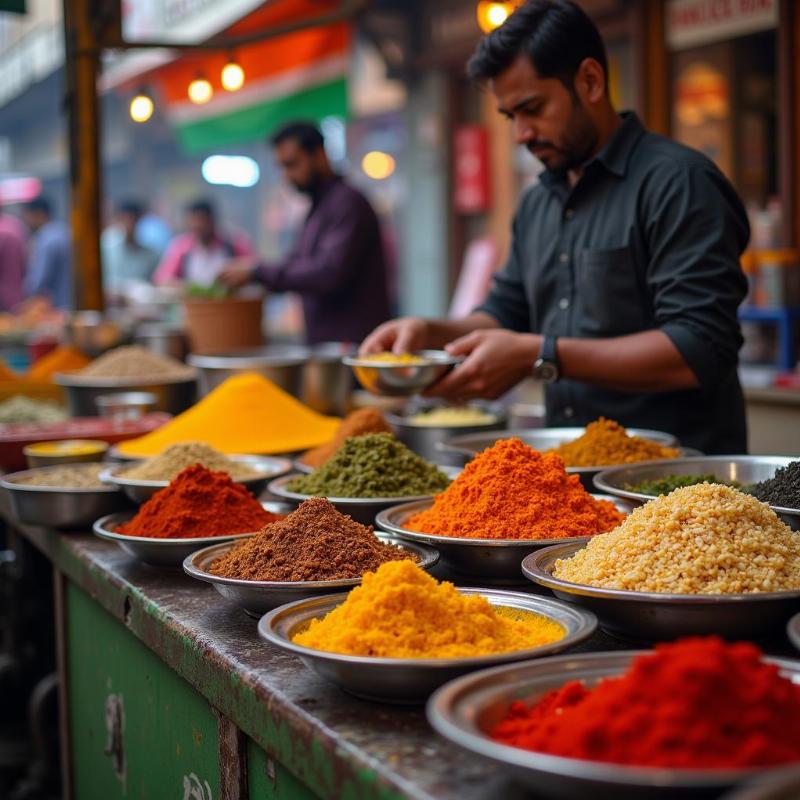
[[13, 258]]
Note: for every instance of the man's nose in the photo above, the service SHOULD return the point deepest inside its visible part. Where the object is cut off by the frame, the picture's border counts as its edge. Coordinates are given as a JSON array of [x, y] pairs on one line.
[[524, 131]]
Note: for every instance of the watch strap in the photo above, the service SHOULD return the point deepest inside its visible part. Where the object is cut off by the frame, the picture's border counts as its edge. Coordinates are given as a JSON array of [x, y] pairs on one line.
[[549, 351]]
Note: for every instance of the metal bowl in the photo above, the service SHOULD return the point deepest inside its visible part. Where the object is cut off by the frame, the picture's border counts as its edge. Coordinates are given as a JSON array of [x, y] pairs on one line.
[[327, 382], [52, 507], [125, 405], [466, 709], [258, 597], [93, 333], [545, 439], [89, 450], [141, 491], [793, 631], [164, 552], [361, 509], [778, 783], [490, 560], [408, 680], [402, 380], [651, 616], [745, 470], [281, 364], [173, 396]]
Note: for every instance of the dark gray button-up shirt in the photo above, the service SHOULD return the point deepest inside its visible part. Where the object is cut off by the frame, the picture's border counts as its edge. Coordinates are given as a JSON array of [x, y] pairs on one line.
[[649, 238]]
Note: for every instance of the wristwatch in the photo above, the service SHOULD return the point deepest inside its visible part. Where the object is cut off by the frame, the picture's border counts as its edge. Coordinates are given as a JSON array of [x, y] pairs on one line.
[[546, 368]]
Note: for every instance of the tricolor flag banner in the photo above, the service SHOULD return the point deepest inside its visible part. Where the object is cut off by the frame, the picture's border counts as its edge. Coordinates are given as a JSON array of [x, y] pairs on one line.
[[300, 75]]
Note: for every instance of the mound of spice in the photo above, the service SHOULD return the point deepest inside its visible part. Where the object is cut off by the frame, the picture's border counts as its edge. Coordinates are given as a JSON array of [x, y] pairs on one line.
[[23, 409], [452, 417], [669, 483], [607, 442], [199, 503], [511, 491], [693, 704], [68, 476], [179, 456], [375, 465], [313, 543], [135, 363], [399, 611], [357, 423], [703, 539], [782, 490]]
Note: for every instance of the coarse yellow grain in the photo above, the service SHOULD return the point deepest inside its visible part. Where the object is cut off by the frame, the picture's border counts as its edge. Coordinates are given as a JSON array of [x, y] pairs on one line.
[[702, 539]]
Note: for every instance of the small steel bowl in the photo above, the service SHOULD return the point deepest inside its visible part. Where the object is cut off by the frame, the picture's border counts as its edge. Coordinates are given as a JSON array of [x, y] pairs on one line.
[[125, 405], [37, 456], [490, 560], [745, 470], [401, 380], [164, 552], [258, 597], [361, 509], [653, 616], [141, 491], [53, 507], [466, 710], [408, 680]]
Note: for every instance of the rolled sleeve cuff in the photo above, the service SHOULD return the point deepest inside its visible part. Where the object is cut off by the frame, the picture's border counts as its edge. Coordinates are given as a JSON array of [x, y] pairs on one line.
[[504, 319], [698, 352]]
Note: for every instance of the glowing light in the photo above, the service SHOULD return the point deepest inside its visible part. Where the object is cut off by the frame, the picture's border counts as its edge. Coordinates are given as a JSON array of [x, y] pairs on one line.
[[200, 91], [239, 171], [492, 15], [378, 165], [232, 77], [141, 107]]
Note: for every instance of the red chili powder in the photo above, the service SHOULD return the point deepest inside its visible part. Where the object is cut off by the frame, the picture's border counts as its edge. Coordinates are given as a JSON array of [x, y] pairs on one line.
[[199, 502], [696, 703]]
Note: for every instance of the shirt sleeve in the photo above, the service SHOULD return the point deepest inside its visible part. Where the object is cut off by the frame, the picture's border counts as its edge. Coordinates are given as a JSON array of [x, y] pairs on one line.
[[13, 253], [696, 231], [37, 279], [169, 268]]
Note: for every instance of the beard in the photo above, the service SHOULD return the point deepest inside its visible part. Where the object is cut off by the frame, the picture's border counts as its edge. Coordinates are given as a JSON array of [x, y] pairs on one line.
[[577, 144]]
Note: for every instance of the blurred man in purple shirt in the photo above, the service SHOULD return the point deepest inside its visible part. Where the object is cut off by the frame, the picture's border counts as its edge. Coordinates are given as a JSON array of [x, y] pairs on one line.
[[337, 265], [13, 257]]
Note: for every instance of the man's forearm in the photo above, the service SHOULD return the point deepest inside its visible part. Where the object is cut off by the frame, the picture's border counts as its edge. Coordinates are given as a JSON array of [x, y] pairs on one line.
[[443, 331]]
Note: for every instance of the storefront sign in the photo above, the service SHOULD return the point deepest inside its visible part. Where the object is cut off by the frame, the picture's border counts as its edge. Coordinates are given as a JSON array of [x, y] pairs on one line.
[[690, 23], [471, 185]]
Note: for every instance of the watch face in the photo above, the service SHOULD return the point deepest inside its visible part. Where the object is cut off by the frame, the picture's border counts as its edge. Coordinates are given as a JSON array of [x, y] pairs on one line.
[[546, 371]]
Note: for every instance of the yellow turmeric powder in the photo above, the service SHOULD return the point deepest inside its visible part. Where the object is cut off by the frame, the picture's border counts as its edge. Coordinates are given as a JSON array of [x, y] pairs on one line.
[[245, 414], [399, 611]]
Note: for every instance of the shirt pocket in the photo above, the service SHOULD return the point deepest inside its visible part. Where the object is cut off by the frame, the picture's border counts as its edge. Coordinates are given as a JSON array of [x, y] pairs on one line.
[[608, 293]]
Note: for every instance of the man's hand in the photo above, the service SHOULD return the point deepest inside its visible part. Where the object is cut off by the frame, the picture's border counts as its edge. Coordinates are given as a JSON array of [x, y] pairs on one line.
[[237, 272], [399, 336], [495, 361]]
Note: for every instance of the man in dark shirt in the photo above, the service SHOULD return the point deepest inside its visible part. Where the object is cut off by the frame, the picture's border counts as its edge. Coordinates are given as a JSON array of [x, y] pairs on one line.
[[337, 265], [623, 281]]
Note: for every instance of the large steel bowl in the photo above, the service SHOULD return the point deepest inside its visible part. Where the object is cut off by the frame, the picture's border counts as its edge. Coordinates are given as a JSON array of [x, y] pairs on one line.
[[656, 616], [466, 710], [409, 680], [487, 560], [744, 470], [281, 364], [402, 380], [258, 597], [327, 382]]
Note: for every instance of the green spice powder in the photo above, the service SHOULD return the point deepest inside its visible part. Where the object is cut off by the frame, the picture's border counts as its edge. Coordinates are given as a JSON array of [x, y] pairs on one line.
[[374, 465], [669, 483]]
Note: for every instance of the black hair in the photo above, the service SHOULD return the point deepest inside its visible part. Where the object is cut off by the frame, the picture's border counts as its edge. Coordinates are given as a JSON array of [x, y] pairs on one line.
[[41, 204], [306, 134], [556, 35], [132, 207], [201, 206]]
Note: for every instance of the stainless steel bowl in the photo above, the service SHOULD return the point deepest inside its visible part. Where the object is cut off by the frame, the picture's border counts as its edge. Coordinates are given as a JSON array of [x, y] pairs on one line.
[[745, 470], [281, 364], [172, 396], [490, 560], [651, 616], [141, 491], [402, 380], [425, 439], [408, 680], [258, 597], [465, 711], [778, 783], [163, 552], [545, 439], [793, 631], [361, 509], [327, 382], [166, 340], [93, 333], [125, 405], [52, 507]]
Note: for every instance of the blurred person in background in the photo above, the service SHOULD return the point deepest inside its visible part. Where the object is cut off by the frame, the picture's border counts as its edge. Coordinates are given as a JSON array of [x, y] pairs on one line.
[[198, 256], [125, 259], [49, 272], [337, 265], [13, 258], [153, 232]]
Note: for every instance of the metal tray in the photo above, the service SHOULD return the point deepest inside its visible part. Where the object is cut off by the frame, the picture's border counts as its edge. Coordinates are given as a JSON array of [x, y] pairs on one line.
[[164, 552], [52, 507], [141, 491], [743, 469], [651, 616], [258, 597], [465, 709], [490, 560], [401, 380], [406, 680]]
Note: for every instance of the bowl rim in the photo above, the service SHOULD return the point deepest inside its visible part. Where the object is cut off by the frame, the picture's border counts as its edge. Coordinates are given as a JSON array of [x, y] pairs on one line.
[[431, 358], [101, 528], [72, 381], [9, 481], [100, 445], [296, 355], [400, 417]]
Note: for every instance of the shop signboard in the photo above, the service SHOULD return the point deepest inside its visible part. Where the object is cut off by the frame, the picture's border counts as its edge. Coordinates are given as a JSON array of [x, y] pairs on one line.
[[690, 23], [471, 184]]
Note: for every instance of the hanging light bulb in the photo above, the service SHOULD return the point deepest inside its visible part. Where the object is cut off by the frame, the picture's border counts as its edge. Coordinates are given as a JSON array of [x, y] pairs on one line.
[[492, 15], [141, 107], [232, 76], [200, 90]]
